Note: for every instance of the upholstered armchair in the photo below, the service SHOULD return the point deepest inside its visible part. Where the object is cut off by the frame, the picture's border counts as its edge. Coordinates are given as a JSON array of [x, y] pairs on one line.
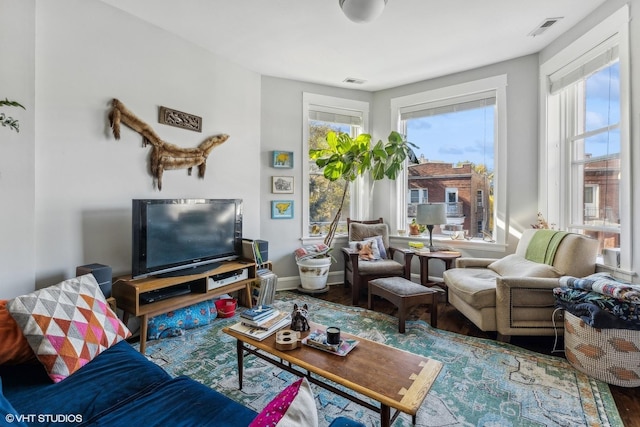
[[514, 295], [357, 272]]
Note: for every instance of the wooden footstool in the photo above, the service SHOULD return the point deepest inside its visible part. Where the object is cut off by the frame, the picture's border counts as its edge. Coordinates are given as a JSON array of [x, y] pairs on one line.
[[404, 294]]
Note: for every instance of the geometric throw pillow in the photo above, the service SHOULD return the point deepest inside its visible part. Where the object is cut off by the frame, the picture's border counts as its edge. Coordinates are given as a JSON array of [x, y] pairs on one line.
[[294, 406], [67, 325]]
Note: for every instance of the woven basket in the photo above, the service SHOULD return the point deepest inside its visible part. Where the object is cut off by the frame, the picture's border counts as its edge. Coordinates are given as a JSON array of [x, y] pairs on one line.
[[610, 355]]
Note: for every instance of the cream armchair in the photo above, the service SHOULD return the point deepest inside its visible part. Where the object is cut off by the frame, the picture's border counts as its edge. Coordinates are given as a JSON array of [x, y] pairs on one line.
[[513, 295]]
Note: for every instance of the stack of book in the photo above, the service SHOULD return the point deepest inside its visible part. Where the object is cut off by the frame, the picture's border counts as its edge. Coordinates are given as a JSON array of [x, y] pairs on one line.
[[261, 321]]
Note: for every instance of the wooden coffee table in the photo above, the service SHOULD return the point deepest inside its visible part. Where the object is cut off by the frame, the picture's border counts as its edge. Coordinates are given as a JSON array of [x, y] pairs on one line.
[[394, 378]]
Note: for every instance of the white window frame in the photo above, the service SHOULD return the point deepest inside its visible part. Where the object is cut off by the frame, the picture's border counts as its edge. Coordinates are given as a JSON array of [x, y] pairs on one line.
[[553, 173], [497, 85], [594, 205], [423, 195], [479, 198], [359, 206]]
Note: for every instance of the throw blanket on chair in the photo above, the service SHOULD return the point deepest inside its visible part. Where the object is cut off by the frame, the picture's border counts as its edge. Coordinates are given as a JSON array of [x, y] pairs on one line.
[[543, 246]]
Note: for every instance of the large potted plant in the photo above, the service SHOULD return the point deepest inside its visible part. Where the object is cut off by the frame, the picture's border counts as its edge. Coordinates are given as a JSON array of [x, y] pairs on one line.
[[348, 158]]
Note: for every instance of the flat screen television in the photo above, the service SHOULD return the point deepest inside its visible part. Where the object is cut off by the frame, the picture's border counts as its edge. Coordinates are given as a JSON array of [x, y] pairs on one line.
[[173, 237]]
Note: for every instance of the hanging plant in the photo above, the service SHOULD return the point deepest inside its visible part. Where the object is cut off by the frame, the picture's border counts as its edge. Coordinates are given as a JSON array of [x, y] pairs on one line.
[[8, 121]]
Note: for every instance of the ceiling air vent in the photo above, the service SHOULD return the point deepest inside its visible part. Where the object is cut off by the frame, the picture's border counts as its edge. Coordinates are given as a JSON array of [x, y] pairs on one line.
[[544, 26], [353, 80]]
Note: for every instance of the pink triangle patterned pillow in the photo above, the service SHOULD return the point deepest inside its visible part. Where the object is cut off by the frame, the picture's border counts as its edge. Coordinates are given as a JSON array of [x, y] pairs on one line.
[[67, 325]]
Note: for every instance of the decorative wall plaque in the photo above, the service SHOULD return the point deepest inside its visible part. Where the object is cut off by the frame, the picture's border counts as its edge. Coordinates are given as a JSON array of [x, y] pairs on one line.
[[179, 119]]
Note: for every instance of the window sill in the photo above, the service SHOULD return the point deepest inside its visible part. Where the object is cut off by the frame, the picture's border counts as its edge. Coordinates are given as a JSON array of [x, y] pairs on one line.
[[616, 272], [472, 244], [475, 244]]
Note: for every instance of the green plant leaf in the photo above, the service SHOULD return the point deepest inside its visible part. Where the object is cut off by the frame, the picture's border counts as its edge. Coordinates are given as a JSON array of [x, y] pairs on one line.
[[8, 103], [395, 137]]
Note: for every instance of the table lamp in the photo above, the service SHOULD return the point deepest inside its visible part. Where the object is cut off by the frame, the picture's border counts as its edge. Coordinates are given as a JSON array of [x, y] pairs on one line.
[[430, 214]]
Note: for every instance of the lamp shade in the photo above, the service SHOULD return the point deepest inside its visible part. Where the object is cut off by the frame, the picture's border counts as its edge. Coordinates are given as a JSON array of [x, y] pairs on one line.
[[431, 214], [360, 11]]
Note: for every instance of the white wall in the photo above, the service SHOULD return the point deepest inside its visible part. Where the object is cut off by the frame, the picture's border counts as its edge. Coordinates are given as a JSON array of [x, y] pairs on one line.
[[17, 178], [282, 130], [88, 53]]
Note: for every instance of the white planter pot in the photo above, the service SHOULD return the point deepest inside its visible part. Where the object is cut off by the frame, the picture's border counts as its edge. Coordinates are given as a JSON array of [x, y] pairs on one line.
[[314, 272]]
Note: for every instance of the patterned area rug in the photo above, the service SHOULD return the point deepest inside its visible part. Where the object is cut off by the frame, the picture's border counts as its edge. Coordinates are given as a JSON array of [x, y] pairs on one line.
[[483, 382]]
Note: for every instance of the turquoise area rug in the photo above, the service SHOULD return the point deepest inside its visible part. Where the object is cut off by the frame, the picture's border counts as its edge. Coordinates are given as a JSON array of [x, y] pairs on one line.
[[482, 383]]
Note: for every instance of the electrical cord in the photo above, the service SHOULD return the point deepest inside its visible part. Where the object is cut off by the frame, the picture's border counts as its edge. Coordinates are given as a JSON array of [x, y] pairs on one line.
[[555, 330]]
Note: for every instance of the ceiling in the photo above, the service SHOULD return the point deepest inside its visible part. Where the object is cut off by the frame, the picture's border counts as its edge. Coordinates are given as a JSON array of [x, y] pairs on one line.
[[413, 40]]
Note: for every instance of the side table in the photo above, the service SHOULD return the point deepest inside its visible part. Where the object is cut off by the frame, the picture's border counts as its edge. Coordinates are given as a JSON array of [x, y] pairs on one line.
[[448, 257]]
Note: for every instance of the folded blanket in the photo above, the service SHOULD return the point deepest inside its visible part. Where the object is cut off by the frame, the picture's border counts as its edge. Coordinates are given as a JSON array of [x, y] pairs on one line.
[[605, 284], [625, 311], [595, 316], [543, 246], [311, 251]]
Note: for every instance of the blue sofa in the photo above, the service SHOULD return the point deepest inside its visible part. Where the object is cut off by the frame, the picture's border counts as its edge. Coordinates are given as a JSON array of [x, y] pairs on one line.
[[120, 387]]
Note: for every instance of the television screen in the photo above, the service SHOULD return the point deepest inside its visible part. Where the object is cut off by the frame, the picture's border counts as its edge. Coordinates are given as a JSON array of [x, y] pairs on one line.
[[184, 236]]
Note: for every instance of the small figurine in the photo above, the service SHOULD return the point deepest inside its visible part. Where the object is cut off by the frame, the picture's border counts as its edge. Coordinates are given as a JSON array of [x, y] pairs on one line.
[[541, 223], [299, 318]]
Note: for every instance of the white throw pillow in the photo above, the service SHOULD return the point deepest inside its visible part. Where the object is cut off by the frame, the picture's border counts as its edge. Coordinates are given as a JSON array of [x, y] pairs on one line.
[[517, 266]]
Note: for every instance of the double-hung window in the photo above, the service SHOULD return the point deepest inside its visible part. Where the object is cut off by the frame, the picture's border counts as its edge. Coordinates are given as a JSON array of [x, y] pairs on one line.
[[457, 131], [322, 114], [587, 142]]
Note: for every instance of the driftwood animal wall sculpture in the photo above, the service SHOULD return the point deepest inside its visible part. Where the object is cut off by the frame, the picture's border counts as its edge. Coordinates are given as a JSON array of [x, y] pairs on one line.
[[164, 155]]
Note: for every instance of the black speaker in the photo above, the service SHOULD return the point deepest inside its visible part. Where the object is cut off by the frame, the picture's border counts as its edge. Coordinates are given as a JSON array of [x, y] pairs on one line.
[[263, 248], [101, 272]]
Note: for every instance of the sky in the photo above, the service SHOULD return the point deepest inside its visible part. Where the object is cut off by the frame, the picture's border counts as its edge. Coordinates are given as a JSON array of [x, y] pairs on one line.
[[443, 138], [469, 135], [598, 112]]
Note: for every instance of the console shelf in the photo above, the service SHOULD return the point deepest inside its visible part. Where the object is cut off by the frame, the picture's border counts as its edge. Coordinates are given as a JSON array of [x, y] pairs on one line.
[[127, 291]]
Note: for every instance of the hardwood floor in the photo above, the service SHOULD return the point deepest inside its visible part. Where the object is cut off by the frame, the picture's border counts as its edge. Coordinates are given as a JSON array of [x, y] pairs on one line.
[[449, 319]]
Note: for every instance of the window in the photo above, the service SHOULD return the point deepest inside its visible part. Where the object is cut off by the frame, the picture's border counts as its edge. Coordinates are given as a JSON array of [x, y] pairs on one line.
[[457, 130], [322, 114], [419, 196], [592, 141], [587, 136], [479, 198], [455, 142]]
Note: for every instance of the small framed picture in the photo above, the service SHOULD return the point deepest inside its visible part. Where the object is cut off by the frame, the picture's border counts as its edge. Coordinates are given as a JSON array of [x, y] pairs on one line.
[[282, 184], [281, 209], [283, 159]]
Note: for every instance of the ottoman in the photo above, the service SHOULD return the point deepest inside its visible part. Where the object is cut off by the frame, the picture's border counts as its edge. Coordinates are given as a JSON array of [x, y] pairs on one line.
[[404, 294]]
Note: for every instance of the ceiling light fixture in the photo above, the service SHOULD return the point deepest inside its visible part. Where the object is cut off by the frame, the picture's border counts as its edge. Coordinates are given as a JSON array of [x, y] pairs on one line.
[[361, 11]]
